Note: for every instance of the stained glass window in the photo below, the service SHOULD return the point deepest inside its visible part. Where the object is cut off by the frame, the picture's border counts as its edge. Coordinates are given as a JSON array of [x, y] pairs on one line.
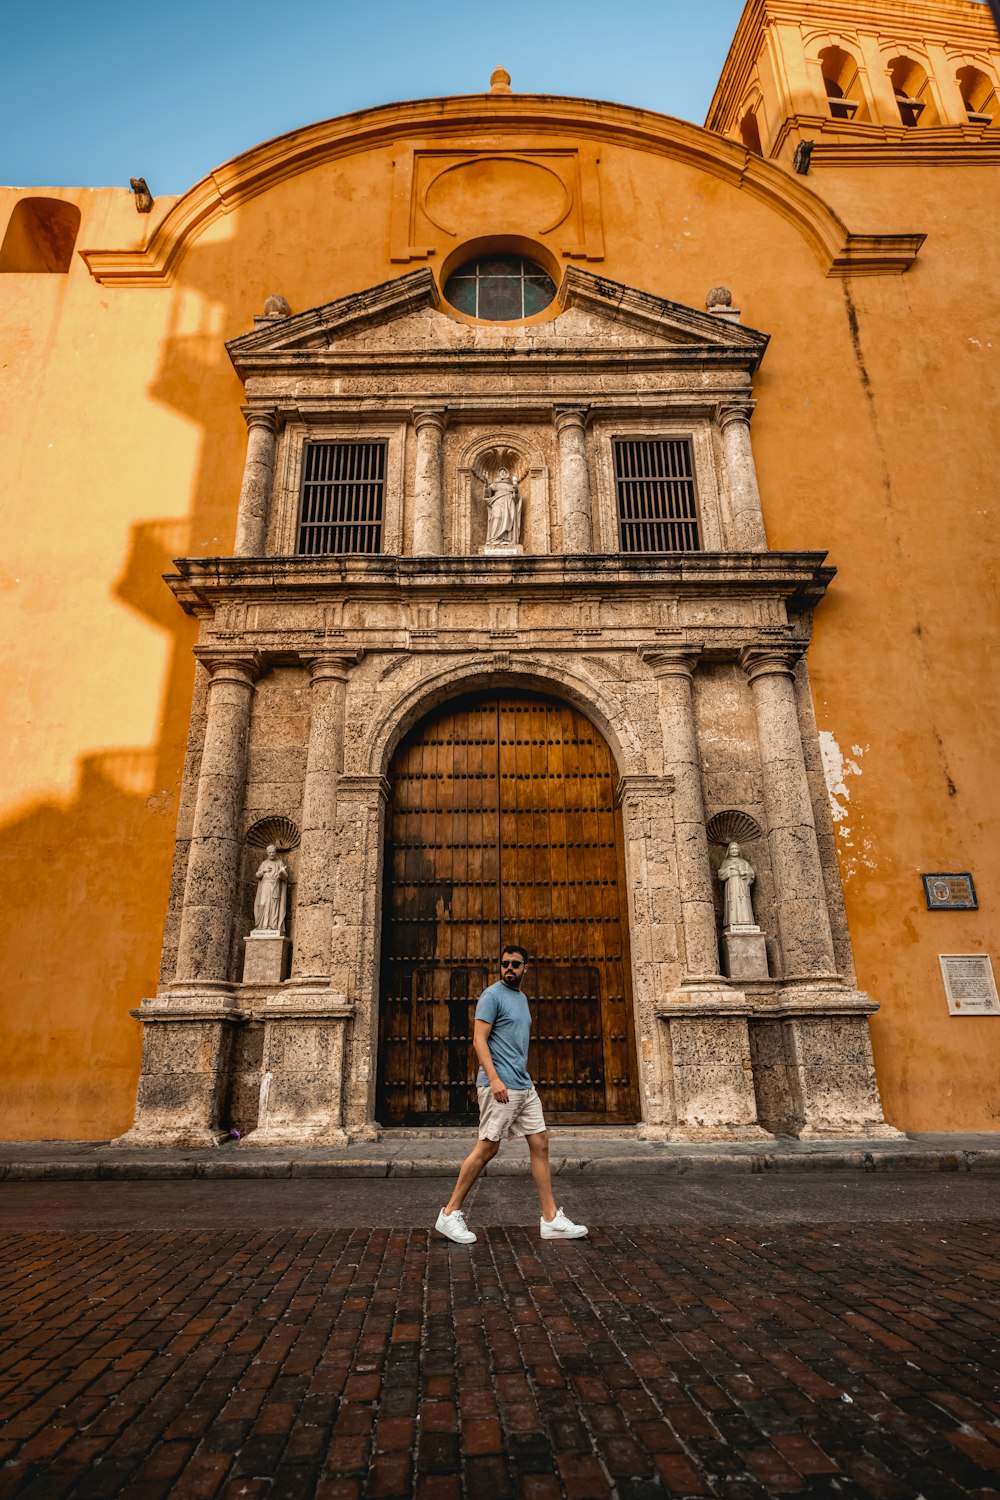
[[500, 288]]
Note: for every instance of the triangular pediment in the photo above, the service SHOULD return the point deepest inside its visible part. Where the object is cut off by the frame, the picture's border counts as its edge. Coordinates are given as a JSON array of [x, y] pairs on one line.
[[405, 316]]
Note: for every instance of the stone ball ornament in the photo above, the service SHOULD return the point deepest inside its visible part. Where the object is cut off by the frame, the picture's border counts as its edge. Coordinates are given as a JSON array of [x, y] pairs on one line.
[[277, 307]]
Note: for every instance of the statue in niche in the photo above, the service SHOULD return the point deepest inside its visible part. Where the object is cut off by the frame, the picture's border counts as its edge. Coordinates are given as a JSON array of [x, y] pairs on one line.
[[737, 875], [498, 472], [271, 900]]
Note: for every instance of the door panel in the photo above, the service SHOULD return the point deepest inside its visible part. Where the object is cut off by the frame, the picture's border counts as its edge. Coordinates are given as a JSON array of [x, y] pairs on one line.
[[503, 827]]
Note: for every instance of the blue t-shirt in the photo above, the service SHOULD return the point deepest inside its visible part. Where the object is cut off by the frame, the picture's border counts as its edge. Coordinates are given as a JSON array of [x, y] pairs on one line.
[[507, 1012]]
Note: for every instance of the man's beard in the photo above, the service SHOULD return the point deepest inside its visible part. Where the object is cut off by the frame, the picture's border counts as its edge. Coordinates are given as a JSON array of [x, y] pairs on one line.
[[512, 981]]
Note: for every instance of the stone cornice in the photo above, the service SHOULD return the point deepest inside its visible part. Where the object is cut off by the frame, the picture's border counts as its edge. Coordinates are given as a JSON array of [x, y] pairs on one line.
[[496, 118], [798, 578]]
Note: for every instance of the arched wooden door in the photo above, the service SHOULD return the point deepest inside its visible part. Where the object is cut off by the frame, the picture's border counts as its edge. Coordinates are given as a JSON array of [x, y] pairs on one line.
[[503, 827]]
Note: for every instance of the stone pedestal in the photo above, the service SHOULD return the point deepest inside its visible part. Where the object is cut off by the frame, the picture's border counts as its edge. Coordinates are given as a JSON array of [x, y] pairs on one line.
[[744, 955], [187, 1038], [302, 1071], [713, 1091], [831, 1073], [266, 958]]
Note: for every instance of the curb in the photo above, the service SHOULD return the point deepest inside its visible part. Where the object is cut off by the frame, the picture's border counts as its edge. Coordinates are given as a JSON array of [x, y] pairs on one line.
[[132, 1166]]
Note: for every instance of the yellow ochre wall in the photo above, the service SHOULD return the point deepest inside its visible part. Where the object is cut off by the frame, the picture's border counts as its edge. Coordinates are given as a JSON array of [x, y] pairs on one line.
[[875, 437]]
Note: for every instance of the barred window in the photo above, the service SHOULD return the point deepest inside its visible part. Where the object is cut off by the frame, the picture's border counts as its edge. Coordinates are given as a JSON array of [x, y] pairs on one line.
[[657, 503], [343, 492]]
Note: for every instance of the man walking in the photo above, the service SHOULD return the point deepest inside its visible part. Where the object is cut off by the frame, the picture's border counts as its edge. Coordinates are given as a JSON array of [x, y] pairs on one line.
[[508, 1103]]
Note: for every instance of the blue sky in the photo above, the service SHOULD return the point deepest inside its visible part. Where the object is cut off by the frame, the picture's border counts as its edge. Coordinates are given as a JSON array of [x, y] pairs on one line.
[[93, 96]]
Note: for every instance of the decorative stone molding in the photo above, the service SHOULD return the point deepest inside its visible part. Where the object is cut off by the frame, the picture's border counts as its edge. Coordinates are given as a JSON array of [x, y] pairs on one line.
[[731, 826], [838, 251], [765, 659], [279, 831], [679, 660], [637, 788]]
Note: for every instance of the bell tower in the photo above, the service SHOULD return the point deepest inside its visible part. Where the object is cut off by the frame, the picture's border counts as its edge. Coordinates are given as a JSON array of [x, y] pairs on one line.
[[876, 80]]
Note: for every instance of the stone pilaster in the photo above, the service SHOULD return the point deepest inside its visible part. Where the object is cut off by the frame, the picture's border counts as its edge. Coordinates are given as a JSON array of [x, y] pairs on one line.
[[674, 668], [258, 480], [318, 852], [354, 969], [741, 478], [800, 895], [574, 479], [428, 501]]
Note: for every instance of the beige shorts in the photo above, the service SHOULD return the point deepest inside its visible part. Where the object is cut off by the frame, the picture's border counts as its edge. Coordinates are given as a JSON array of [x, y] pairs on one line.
[[521, 1115]]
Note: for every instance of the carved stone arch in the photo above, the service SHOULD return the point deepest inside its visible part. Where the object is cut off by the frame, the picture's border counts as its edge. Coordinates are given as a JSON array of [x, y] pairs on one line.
[[594, 699], [466, 492]]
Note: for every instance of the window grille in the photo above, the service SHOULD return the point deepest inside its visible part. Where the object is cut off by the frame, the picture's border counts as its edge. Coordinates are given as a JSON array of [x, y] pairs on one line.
[[343, 491], [657, 504]]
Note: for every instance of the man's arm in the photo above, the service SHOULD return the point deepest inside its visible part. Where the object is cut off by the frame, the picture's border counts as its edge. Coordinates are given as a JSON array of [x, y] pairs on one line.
[[480, 1041]]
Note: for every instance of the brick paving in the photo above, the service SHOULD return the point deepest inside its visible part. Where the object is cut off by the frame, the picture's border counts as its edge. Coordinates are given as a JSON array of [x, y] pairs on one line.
[[694, 1361]]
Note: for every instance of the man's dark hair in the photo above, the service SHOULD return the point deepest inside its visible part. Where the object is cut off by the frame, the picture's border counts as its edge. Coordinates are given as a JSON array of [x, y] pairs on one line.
[[514, 948]]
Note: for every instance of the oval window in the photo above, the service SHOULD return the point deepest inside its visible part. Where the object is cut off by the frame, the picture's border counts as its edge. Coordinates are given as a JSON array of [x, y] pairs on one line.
[[500, 288]]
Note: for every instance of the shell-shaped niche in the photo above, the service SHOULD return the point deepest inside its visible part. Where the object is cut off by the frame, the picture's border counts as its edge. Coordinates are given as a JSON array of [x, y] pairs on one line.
[[731, 826], [281, 832]]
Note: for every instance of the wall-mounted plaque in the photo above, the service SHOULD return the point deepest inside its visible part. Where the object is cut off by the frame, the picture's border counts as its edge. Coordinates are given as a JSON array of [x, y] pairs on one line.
[[950, 891], [969, 984]]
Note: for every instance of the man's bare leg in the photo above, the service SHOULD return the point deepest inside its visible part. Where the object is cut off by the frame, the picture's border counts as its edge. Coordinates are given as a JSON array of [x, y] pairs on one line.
[[481, 1153], [538, 1148]]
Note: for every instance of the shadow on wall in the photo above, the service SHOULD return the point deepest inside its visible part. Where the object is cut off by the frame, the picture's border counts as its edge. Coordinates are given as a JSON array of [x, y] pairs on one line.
[[86, 892]]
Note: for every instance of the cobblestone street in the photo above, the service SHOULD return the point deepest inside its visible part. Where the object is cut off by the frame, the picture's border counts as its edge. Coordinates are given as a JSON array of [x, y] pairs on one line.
[[744, 1355]]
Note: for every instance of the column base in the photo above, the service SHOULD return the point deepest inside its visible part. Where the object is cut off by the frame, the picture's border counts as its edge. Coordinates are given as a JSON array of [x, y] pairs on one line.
[[168, 1138], [306, 1134], [864, 1131], [703, 1134]]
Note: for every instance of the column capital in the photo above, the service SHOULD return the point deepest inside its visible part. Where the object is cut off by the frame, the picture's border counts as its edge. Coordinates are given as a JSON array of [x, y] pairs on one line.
[[765, 659], [637, 788], [430, 416], [678, 660], [324, 665], [570, 416], [227, 665], [261, 416], [728, 412], [371, 789]]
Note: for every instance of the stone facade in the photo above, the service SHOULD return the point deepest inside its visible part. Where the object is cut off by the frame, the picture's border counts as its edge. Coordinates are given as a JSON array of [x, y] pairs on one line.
[[312, 669]]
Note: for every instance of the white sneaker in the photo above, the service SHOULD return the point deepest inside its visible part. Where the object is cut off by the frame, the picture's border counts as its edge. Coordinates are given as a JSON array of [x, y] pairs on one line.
[[454, 1227], [561, 1228]]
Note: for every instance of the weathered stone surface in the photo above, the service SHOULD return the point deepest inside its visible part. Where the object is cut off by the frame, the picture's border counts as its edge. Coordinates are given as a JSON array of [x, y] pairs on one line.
[[319, 665]]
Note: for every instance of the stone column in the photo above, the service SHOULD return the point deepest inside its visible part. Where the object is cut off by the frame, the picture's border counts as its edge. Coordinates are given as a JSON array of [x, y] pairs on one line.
[[258, 480], [574, 479], [803, 918], [428, 505], [741, 476], [317, 851], [674, 668], [188, 1027], [214, 855]]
